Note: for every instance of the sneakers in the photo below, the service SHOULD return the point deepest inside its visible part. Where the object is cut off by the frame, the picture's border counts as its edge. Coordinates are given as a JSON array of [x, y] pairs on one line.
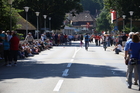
[[129, 86], [135, 83]]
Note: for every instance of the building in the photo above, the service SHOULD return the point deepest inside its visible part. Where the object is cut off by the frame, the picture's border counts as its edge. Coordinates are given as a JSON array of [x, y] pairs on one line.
[[22, 24], [83, 22]]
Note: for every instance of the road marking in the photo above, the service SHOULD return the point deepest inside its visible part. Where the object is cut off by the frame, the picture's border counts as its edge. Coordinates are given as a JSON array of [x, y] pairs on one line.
[[71, 60], [113, 72], [57, 87], [75, 52], [65, 73], [69, 65]]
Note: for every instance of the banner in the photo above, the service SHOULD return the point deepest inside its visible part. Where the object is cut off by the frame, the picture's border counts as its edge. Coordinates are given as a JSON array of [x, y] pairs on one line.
[[113, 15]]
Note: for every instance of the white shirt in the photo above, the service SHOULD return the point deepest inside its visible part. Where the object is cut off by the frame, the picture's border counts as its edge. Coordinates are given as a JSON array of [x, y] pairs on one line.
[[119, 47]]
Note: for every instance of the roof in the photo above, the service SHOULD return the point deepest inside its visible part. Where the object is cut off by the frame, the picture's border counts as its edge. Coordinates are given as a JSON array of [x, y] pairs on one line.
[[21, 21], [84, 16]]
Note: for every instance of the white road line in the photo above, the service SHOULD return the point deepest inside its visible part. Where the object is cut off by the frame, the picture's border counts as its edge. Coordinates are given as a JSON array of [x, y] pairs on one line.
[[75, 52], [74, 55], [69, 65], [71, 60], [113, 72], [65, 73], [57, 87]]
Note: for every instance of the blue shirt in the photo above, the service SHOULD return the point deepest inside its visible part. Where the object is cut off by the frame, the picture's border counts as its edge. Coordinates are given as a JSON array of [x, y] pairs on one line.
[[127, 45], [87, 40], [135, 50], [6, 45]]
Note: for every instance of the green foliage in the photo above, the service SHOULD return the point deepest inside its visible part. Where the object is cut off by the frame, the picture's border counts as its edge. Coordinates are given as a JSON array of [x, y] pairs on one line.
[[55, 9], [92, 5], [124, 6], [103, 23], [127, 29], [20, 36], [5, 15]]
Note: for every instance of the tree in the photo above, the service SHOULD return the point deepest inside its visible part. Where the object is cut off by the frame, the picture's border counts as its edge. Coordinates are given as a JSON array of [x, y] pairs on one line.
[[55, 9], [103, 23], [92, 5], [5, 16], [124, 6]]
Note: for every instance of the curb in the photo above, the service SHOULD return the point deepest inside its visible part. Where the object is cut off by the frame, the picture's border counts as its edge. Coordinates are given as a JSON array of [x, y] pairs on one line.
[[121, 53]]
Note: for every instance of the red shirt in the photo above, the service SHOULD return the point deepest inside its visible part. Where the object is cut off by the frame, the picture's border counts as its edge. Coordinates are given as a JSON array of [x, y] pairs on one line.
[[14, 43]]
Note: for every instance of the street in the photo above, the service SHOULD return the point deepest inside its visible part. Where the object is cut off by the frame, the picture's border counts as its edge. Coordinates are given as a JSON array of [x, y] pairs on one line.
[[68, 69]]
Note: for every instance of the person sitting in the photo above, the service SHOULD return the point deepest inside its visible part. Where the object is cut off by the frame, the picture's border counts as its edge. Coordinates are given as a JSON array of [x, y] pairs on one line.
[[118, 48]]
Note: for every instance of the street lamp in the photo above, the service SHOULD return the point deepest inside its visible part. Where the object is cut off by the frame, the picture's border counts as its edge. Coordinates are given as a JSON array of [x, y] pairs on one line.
[[45, 16], [37, 14], [10, 3], [50, 23], [26, 10], [131, 14], [123, 20]]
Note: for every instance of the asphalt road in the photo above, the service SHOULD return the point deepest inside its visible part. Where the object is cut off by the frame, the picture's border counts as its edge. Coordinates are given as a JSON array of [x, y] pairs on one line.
[[68, 69]]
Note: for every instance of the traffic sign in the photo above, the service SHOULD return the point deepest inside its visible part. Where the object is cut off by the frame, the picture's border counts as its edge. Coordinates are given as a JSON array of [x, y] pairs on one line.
[[115, 27]]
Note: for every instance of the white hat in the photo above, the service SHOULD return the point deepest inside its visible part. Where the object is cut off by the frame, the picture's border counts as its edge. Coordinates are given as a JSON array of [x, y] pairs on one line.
[[131, 33]]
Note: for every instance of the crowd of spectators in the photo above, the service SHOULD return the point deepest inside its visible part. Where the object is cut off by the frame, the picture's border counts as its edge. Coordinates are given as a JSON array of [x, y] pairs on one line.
[[30, 46], [10, 44], [11, 48]]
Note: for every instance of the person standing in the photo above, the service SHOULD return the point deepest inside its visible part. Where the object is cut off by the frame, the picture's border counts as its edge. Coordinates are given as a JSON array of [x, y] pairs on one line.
[[124, 39], [86, 41], [127, 57], [6, 45], [9, 35], [14, 47], [134, 54], [96, 40], [81, 40]]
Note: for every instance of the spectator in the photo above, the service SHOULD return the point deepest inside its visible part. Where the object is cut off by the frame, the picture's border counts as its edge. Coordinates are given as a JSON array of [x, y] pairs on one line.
[[29, 38], [81, 40], [124, 39], [14, 47], [9, 35], [127, 56], [134, 54], [2, 34], [1, 49], [118, 48], [6, 51]]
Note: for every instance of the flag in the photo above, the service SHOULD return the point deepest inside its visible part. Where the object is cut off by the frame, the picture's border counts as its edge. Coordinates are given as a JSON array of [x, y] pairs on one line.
[[113, 15]]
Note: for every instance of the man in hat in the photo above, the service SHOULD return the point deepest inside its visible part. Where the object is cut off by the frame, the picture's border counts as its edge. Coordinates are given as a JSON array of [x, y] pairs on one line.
[[29, 38]]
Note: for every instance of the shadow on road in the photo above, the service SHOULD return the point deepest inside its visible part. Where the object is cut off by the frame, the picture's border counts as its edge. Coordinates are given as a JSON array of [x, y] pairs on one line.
[[37, 70]]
